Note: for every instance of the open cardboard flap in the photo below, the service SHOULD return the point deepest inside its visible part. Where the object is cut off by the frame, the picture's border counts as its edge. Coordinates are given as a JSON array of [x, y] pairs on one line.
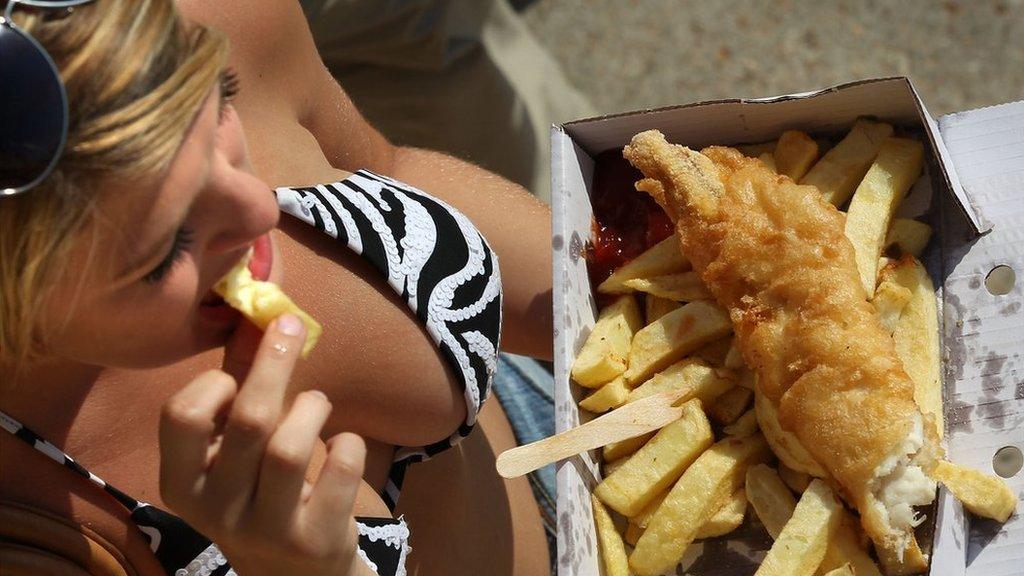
[[973, 198]]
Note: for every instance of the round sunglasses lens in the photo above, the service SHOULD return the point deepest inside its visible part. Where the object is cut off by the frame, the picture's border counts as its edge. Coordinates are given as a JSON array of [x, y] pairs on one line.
[[31, 110]]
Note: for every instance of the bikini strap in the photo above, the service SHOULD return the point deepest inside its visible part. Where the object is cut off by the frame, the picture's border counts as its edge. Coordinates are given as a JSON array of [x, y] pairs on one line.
[[57, 455]]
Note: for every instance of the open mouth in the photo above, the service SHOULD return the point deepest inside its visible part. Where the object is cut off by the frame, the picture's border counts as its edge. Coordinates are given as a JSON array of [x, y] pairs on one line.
[[260, 260], [212, 299]]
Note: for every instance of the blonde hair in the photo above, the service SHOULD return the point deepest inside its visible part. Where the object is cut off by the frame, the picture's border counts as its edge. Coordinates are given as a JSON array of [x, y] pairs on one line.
[[136, 75]]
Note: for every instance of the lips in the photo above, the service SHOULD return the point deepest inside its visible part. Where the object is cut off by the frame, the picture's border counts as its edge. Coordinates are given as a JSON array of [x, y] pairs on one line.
[[259, 265], [262, 258]]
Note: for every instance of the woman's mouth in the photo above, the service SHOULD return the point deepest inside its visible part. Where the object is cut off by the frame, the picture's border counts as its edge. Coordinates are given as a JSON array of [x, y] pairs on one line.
[[262, 258], [213, 307], [212, 299]]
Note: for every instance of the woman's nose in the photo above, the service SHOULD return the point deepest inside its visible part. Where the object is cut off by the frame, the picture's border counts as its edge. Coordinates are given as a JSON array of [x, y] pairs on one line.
[[241, 209]]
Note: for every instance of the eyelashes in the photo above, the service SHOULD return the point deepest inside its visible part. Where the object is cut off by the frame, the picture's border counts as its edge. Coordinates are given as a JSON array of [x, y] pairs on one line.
[[183, 238], [182, 242], [229, 87]]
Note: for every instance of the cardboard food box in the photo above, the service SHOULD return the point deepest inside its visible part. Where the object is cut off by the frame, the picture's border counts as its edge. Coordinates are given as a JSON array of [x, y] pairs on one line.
[[973, 196]]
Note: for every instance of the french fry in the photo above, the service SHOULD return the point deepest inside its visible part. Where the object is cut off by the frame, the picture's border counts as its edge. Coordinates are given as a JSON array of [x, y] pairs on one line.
[[714, 353], [658, 260], [674, 335], [621, 449], [844, 570], [845, 549], [913, 560], [772, 501], [794, 154], [703, 381], [982, 494], [698, 494], [755, 150], [908, 236], [747, 379], [893, 172], [774, 505], [261, 302], [613, 551], [658, 464], [644, 517], [916, 335], [745, 425], [682, 287], [725, 520], [728, 518], [604, 354], [800, 547], [611, 395], [769, 160], [633, 533], [656, 307], [837, 173], [797, 481], [728, 407], [734, 359], [889, 300], [785, 444], [613, 465]]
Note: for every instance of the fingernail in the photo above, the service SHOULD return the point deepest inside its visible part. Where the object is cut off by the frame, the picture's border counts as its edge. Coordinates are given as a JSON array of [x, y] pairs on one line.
[[289, 325], [319, 394]]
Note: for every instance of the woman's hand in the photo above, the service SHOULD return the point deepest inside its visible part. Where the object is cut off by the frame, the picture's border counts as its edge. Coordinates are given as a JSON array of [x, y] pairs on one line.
[[233, 462]]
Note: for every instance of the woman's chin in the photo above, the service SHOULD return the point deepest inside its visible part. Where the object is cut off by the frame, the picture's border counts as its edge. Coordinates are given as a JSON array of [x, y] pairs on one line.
[[215, 323]]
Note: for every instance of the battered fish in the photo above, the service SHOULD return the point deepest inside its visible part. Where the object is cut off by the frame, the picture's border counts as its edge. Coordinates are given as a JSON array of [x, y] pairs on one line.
[[774, 254]]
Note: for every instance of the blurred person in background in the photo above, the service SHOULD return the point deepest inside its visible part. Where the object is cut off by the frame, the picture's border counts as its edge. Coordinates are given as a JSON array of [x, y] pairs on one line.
[[465, 77]]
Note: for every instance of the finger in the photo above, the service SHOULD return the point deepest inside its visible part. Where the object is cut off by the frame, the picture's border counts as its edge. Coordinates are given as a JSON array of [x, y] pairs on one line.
[[188, 429], [288, 454], [335, 491], [240, 350], [254, 417]]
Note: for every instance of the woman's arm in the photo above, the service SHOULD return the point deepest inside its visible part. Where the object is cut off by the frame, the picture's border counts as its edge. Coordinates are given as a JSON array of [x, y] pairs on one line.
[[518, 228]]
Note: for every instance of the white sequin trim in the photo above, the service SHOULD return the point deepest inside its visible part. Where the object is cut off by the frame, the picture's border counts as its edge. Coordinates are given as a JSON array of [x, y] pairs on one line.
[[204, 564], [355, 240], [439, 304], [366, 559], [393, 535]]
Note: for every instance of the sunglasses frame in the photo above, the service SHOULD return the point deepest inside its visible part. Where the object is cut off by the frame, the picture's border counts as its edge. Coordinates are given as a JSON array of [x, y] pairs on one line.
[[6, 21]]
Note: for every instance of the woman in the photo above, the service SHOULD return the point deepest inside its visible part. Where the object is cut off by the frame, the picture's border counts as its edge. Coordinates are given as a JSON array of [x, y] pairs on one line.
[[111, 412]]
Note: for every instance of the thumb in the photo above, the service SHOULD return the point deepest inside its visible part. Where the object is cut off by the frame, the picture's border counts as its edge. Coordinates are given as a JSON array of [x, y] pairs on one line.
[[240, 350]]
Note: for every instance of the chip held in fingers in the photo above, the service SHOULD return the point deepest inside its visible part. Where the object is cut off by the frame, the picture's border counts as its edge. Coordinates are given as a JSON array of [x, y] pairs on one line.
[[262, 302]]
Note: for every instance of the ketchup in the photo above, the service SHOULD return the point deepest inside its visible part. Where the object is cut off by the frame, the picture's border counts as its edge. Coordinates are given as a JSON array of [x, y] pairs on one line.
[[626, 222]]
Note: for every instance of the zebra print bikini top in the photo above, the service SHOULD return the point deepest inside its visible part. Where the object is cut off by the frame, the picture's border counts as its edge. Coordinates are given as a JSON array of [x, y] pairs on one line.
[[440, 264], [436, 260]]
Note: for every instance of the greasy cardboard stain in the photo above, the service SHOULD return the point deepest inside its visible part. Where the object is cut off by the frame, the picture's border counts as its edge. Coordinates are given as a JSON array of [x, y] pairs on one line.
[[956, 352], [575, 247]]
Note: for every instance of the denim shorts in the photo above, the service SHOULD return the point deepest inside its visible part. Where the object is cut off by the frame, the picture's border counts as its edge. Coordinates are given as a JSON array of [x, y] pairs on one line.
[[526, 390]]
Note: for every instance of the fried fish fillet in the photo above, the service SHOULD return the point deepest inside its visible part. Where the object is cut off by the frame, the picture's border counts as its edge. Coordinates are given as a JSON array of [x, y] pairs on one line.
[[774, 254]]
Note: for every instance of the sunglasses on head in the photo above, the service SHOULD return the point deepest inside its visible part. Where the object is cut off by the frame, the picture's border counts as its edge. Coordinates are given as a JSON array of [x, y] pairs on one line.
[[33, 104]]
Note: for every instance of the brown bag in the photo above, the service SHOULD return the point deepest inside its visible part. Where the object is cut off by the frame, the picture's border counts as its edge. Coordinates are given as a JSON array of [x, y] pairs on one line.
[[34, 542]]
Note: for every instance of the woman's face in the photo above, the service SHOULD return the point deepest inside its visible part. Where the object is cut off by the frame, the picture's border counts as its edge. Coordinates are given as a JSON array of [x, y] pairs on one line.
[[140, 295]]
